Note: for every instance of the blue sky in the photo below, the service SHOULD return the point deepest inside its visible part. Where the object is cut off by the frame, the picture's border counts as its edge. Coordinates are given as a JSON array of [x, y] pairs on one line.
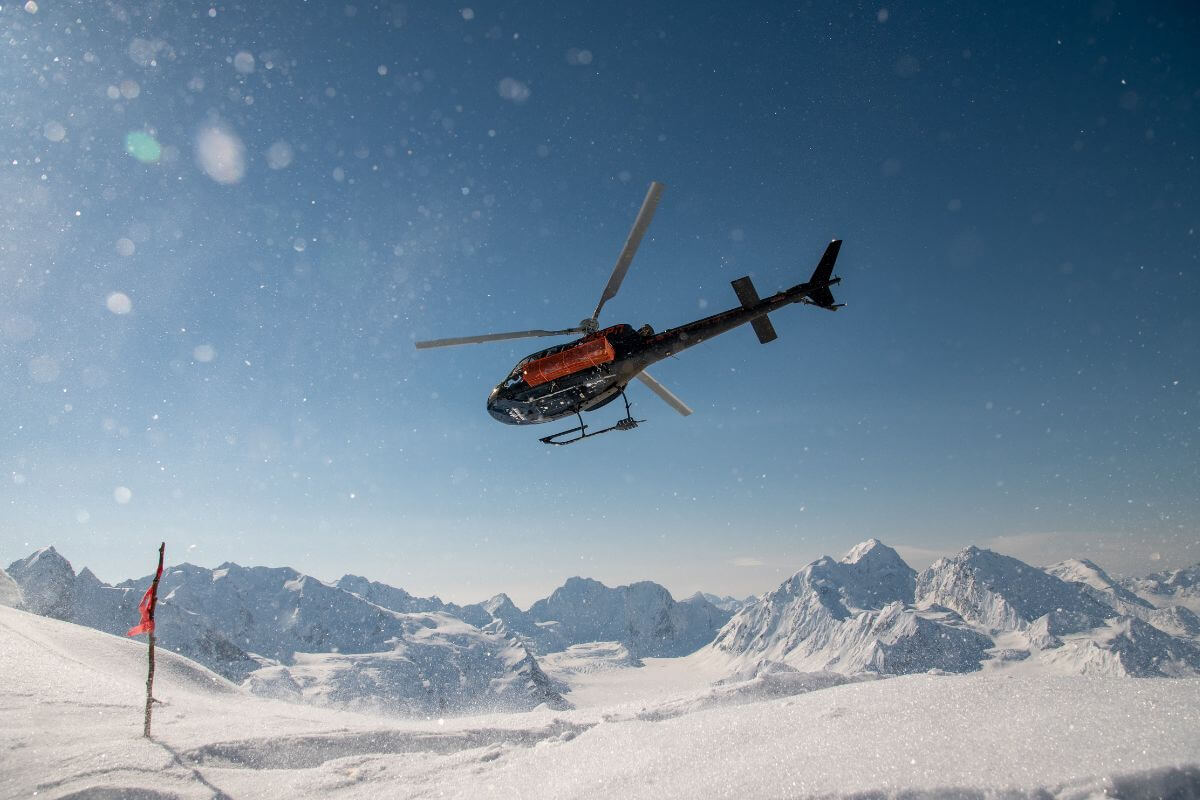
[[226, 225]]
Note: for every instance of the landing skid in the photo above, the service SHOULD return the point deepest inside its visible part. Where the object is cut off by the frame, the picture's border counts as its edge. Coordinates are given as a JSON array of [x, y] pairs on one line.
[[627, 424]]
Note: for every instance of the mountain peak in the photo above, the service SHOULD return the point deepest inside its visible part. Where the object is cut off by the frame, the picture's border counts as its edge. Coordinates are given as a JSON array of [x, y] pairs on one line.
[[1000, 592], [500, 605], [42, 558], [1098, 584], [642, 615], [871, 550], [577, 581], [47, 582]]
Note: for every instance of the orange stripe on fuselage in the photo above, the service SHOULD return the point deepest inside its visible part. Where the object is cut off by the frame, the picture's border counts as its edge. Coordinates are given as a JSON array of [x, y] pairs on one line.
[[588, 353]]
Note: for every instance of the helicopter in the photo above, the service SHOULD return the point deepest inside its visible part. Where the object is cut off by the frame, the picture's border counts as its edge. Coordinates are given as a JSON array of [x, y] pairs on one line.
[[593, 370]]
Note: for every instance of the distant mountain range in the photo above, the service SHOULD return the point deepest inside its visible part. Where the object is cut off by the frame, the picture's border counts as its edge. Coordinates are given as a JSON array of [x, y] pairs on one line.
[[871, 612], [362, 644], [291, 636]]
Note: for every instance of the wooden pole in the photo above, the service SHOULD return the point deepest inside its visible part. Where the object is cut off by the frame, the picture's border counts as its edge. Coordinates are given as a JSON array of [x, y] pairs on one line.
[[150, 672]]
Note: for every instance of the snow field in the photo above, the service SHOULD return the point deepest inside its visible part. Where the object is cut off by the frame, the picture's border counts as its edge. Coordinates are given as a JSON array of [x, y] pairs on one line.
[[72, 696]]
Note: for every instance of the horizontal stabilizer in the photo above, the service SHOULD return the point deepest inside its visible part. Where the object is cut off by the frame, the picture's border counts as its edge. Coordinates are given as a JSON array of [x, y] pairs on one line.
[[764, 330], [822, 298], [748, 296]]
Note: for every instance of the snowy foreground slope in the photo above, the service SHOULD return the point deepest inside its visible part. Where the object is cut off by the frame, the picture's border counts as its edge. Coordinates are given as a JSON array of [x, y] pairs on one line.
[[71, 702]]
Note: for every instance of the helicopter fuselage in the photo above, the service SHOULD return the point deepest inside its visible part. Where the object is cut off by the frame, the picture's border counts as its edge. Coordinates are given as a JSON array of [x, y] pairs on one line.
[[591, 371]]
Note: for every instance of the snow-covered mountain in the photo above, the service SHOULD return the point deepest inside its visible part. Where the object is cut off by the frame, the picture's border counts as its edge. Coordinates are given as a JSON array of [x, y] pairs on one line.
[[47, 583], [1176, 620], [502, 616], [1000, 593], [291, 635], [1177, 587], [365, 644], [1095, 582], [726, 603], [441, 664], [390, 597], [397, 599], [871, 612], [10, 592], [849, 616], [643, 616]]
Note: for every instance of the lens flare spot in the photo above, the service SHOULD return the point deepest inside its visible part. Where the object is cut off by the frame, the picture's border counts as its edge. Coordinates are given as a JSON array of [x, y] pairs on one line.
[[17, 327], [243, 62], [221, 154], [279, 155], [119, 303], [122, 494], [44, 369], [142, 146], [514, 90]]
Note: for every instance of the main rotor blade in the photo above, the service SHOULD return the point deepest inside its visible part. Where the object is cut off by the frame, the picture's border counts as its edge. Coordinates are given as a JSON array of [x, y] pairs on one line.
[[663, 392], [492, 337], [631, 244]]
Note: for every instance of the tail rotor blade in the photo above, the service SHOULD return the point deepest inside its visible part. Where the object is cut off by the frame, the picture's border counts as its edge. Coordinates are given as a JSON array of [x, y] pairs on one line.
[[663, 392], [631, 244], [492, 337]]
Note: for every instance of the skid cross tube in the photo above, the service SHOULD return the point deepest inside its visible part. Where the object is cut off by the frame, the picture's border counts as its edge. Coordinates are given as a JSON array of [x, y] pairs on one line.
[[627, 424]]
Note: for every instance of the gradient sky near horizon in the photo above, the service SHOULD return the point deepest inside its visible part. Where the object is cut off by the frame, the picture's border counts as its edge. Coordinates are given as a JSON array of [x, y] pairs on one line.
[[225, 226]]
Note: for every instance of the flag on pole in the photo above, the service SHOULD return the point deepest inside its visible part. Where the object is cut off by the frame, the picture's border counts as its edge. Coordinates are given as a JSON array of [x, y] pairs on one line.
[[145, 608]]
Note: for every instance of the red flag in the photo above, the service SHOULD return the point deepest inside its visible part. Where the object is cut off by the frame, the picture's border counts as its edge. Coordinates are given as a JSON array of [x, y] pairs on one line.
[[146, 607]]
